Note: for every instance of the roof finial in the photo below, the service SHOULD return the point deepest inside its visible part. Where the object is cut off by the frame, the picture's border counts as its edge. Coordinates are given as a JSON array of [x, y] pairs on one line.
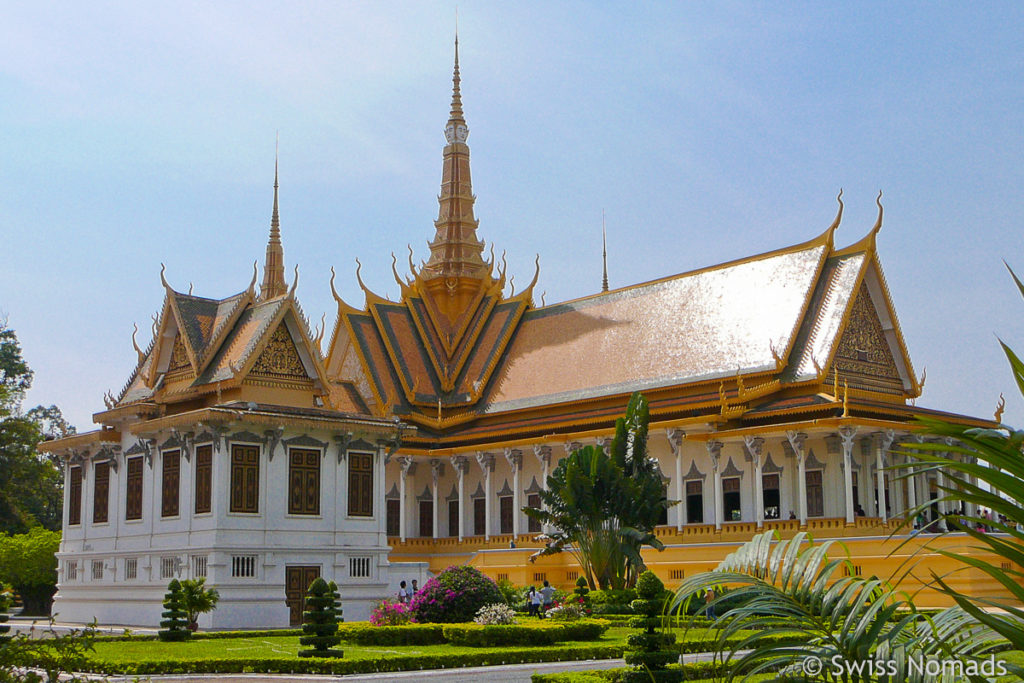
[[878, 223], [273, 269], [604, 254]]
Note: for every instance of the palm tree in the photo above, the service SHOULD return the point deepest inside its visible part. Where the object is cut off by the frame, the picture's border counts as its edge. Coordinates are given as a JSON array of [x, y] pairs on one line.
[[198, 599], [603, 507]]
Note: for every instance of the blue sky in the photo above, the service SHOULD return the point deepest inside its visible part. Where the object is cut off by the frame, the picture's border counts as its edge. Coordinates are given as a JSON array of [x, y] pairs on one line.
[[138, 133]]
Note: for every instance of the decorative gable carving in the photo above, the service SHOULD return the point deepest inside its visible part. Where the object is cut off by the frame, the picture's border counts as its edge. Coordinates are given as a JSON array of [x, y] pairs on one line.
[[863, 356], [280, 359], [179, 356]]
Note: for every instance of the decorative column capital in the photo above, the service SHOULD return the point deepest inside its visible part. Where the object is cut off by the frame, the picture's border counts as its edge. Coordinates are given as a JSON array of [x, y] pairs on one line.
[[436, 469], [755, 448], [515, 458], [407, 464], [571, 446], [675, 438], [486, 461], [796, 442], [715, 453], [460, 464], [543, 453], [847, 434], [603, 442]]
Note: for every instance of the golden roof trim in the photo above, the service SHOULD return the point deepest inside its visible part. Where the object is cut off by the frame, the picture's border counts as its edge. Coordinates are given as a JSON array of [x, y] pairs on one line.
[[103, 435]]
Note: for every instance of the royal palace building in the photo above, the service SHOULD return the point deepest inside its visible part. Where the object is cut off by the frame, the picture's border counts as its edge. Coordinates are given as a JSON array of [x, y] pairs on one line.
[[243, 450]]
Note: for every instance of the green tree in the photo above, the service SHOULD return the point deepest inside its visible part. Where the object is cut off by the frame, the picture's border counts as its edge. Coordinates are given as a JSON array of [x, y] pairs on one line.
[[175, 619], [319, 623], [603, 507], [198, 599], [28, 563], [650, 652], [30, 484]]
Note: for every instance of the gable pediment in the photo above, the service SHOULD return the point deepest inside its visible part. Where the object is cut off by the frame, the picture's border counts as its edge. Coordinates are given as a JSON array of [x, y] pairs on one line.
[[280, 359], [864, 356]]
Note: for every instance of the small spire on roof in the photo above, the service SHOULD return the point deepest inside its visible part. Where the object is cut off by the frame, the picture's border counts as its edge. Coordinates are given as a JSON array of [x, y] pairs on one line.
[[273, 269], [604, 254]]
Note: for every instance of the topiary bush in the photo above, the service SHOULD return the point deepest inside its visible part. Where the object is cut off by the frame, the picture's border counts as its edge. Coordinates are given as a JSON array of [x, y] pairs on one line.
[[318, 622], [336, 607], [455, 595], [175, 619], [649, 650]]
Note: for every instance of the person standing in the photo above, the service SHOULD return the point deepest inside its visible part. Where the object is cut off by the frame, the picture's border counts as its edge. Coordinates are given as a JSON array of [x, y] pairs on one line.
[[547, 595], [403, 593], [533, 599], [414, 591]]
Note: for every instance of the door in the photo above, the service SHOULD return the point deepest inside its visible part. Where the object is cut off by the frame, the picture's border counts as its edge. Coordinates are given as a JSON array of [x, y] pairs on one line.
[[296, 582]]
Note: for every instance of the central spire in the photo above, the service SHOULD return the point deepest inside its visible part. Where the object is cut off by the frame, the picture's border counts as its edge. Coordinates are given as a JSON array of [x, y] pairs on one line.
[[273, 270], [455, 250]]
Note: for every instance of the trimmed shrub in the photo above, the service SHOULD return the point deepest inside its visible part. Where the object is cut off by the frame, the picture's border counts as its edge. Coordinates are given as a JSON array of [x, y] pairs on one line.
[[388, 613], [582, 592], [570, 611], [409, 634], [336, 607], [498, 614], [175, 619], [455, 595], [474, 635], [649, 650], [318, 622], [338, 667]]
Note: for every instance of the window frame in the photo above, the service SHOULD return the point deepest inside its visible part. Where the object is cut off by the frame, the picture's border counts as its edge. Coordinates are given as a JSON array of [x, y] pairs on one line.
[[133, 488], [301, 477], [101, 494], [170, 483], [244, 484], [75, 495], [360, 484]]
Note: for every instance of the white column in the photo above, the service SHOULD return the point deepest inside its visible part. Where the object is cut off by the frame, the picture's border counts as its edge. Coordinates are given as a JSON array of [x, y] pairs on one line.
[[882, 442], [911, 486], [486, 462], [675, 442], [796, 441], [460, 464], [846, 434], [715, 454], [436, 471], [755, 448], [407, 466], [543, 453], [515, 462]]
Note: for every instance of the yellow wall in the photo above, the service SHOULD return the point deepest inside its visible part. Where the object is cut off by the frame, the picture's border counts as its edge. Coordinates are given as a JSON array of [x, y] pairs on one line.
[[872, 550]]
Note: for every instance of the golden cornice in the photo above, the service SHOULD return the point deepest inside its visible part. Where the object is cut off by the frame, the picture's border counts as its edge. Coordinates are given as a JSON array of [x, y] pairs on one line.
[[106, 435], [137, 409], [223, 415]]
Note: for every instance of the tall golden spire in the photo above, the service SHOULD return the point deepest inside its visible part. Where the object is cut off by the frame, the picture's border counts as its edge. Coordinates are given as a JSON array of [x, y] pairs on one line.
[[455, 250], [604, 254], [273, 270]]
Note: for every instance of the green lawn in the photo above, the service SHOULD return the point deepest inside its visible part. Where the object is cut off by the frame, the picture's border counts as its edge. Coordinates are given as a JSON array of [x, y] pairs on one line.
[[273, 647]]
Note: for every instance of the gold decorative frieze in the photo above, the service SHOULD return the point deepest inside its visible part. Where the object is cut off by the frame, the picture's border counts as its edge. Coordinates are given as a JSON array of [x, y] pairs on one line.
[[280, 358]]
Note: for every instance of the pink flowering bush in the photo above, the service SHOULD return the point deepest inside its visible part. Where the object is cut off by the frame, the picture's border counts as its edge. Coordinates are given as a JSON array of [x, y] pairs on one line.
[[388, 613], [453, 596]]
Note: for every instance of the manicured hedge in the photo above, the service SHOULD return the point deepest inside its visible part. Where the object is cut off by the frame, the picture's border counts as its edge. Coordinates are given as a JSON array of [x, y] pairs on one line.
[[410, 634], [676, 672], [338, 667], [544, 633]]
